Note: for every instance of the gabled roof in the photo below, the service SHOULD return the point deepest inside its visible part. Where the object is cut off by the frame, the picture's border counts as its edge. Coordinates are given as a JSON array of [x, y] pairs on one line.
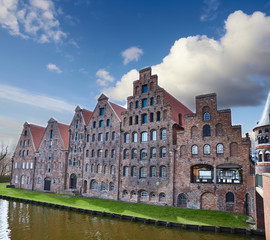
[[86, 115], [265, 119], [63, 128], [177, 107], [118, 109], [37, 134]]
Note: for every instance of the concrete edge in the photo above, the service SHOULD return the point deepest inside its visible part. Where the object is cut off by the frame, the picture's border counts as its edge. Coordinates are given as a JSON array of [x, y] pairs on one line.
[[216, 229]]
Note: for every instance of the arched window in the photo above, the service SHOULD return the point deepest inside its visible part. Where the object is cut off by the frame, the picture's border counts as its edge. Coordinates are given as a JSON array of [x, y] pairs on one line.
[[143, 194], [220, 148], [134, 172], [163, 152], [93, 137], [260, 156], [182, 200], [134, 153], [125, 193], [163, 172], [106, 153], [112, 170], [113, 136], [87, 167], [103, 186], [153, 135], [163, 134], [111, 186], [144, 137], [126, 154], [88, 138], [133, 194], [22, 180], [93, 185], [144, 118], [105, 169], [206, 131], [134, 137], [153, 153], [158, 116], [16, 179], [143, 172], [143, 154], [125, 171], [267, 156], [92, 168], [87, 153], [229, 197], [206, 149], [153, 171], [144, 102], [113, 153], [101, 123], [93, 153], [126, 138], [99, 168], [206, 116], [99, 153], [194, 132], [130, 105], [194, 150], [162, 197], [234, 149], [130, 121]]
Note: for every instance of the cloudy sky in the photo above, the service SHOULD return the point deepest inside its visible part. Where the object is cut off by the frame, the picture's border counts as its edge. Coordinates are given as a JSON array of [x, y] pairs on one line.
[[56, 54]]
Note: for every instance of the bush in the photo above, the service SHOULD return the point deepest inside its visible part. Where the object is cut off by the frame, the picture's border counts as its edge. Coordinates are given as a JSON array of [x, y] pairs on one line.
[[4, 179]]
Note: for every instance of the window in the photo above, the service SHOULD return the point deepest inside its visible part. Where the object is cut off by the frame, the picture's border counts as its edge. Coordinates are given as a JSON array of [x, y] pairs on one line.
[[206, 149], [206, 131], [100, 137], [153, 172], [143, 172], [144, 88], [99, 168], [16, 179], [220, 148], [163, 134], [202, 173], [111, 186], [136, 120], [134, 137], [134, 153], [194, 150], [50, 144], [143, 154], [154, 135], [144, 137], [126, 138], [151, 117], [229, 197], [25, 133], [144, 118], [103, 186], [144, 194], [158, 116], [87, 167], [126, 154], [125, 171], [113, 153], [112, 170], [74, 162], [163, 152], [105, 169], [162, 197], [39, 180], [152, 101], [101, 123], [75, 149], [152, 195], [130, 105], [125, 193], [113, 136], [77, 124], [137, 104], [163, 172], [134, 172], [107, 136], [108, 122], [206, 116], [94, 124], [153, 153], [93, 137], [51, 134], [144, 102], [99, 153], [93, 185], [130, 121], [101, 111], [22, 180]]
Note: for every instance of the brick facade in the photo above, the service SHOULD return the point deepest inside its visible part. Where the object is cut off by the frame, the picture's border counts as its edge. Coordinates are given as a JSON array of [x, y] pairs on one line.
[[156, 151]]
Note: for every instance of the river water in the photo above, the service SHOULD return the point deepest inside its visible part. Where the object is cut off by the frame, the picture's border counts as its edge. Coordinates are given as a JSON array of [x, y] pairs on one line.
[[20, 221]]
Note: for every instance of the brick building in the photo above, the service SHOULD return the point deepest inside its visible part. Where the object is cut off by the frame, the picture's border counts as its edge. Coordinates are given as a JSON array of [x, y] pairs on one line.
[[156, 151]]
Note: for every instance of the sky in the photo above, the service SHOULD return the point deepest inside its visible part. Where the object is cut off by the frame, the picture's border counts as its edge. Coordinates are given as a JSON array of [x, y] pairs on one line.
[[57, 54]]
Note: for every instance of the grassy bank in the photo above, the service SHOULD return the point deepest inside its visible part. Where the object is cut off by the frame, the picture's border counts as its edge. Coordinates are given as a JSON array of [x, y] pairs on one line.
[[178, 215]]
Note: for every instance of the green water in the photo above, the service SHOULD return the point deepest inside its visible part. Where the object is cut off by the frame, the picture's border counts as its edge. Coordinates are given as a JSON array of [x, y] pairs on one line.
[[30, 222]]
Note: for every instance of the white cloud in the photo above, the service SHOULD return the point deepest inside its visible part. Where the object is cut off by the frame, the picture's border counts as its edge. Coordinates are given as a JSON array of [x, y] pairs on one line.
[[209, 10], [37, 100], [236, 66], [53, 68], [104, 77], [131, 54], [35, 19]]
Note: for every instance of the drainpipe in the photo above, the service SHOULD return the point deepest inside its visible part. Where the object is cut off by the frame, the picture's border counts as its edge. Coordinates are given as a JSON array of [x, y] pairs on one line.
[[174, 175], [119, 159], [215, 174], [34, 171], [11, 174]]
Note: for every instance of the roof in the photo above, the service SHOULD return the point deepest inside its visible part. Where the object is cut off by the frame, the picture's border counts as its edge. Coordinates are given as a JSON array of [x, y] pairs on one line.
[[86, 114], [63, 128], [177, 107], [37, 134], [118, 109], [265, 119]]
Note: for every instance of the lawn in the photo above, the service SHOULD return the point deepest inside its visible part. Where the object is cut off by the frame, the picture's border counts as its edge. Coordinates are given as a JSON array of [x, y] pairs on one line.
[[171, 214]]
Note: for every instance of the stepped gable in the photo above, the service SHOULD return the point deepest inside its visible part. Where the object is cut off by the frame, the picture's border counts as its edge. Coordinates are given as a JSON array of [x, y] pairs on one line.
[[37, 134], [265, 119], [118, 109], [177, 107], [63, 128], [86, 115]]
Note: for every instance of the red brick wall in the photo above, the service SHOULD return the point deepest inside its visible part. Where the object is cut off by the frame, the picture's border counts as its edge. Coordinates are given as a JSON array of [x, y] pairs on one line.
[[266, 201]]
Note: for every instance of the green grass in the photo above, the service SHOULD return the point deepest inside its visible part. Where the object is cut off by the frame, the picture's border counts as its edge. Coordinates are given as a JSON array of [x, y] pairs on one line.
[[172, 214]]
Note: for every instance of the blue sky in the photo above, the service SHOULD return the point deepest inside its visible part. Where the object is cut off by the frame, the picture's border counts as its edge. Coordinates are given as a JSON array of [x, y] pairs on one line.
[[56, 54]]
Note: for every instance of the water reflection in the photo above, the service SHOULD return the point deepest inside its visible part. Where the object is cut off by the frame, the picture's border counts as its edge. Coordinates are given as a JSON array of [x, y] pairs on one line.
[[26, 221]]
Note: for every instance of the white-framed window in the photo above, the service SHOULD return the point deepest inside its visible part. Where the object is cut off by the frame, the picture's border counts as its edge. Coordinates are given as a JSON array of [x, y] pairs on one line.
[[206, 149], [134, 172], [125, 171], [163, 134], [163, 172], [134, 137], [143, 172], [194, 150], [143, 154], [31, 165], [16, 179], [220, 148], [144, 194], [206, 116], [144, 136], [153, 171], [154, 135], [163, 152], [126, 138]]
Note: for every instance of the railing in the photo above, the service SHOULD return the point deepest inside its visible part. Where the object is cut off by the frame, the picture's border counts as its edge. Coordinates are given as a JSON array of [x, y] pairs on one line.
[[258, 181]]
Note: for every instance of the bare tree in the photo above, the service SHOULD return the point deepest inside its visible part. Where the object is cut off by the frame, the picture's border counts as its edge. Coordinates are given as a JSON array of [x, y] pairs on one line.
[[5, 161]]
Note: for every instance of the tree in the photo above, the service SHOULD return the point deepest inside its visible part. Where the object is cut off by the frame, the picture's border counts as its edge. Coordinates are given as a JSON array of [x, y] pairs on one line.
[[5, 161]]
